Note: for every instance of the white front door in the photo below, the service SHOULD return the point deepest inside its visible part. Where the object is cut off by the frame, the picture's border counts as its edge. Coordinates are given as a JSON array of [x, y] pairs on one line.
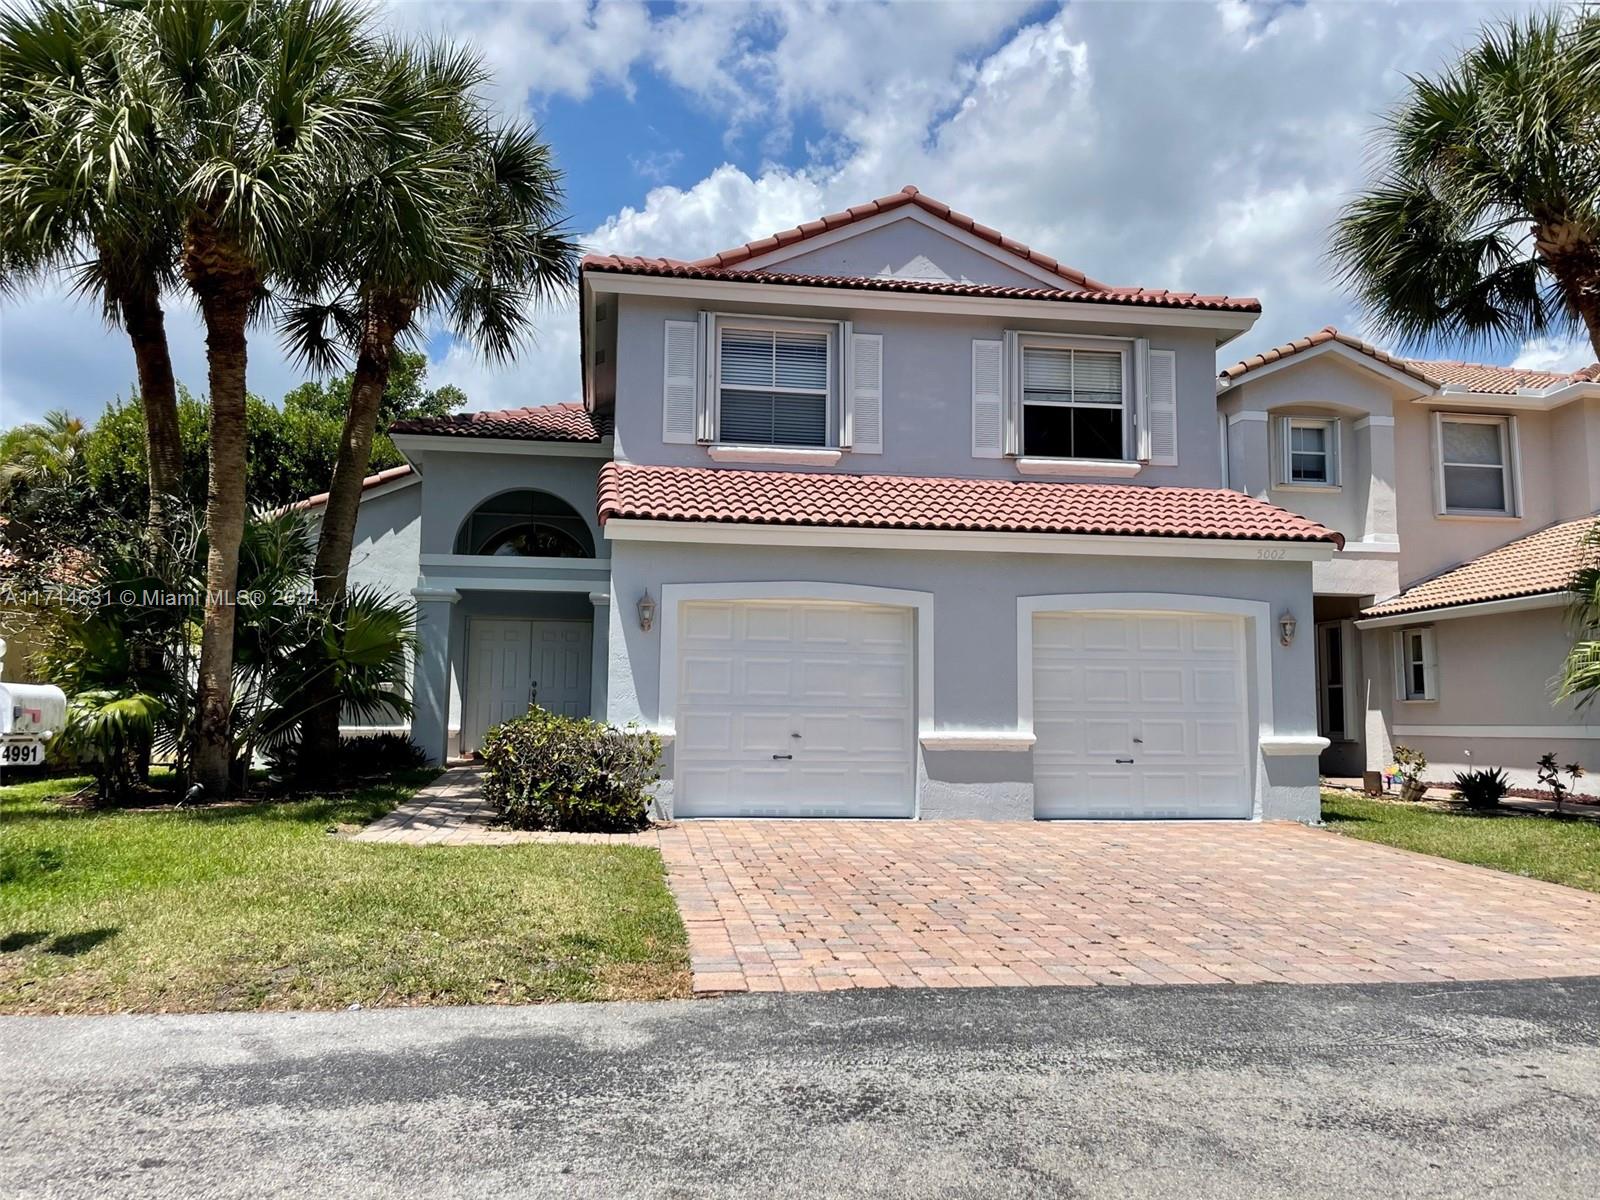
[[1140, 715], [794, 709], [514, 663]]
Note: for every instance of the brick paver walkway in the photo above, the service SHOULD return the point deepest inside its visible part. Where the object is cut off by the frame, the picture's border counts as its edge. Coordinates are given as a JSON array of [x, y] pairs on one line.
[[816, 905]]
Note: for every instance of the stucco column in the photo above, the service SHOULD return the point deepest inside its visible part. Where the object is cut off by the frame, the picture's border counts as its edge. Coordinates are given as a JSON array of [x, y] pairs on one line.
[[1249, 459], [600, 656], [430, 679], [1374, 445]]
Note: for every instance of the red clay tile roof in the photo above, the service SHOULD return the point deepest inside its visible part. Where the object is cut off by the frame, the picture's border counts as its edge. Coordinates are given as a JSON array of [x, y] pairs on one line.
[[546, 423], [1476, 377], [725, 265], [367, 484], [906, 195], [1479, 377], [1321, 338], [1540, 563], [634, 491], [1147, 297]]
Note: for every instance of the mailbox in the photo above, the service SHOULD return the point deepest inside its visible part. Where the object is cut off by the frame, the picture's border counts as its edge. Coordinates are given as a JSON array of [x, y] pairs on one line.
[[31, 710]]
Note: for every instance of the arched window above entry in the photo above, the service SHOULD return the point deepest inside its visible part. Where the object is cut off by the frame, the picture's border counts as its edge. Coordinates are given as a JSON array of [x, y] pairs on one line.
[[525, 524]]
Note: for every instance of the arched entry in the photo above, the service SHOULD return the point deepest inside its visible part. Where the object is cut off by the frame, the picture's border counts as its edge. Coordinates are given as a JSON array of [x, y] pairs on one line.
[[525, 523]]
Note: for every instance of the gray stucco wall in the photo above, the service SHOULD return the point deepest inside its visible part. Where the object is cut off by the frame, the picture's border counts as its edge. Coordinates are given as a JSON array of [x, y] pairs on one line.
[[906, 249], [456, 482], [1495, 672], [387, 541], [927, 389], [975, 647]]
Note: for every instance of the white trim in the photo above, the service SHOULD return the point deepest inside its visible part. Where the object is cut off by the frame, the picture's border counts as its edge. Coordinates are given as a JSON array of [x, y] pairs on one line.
[[832, 394], [410, 443], [726, 533], [1380, 422], [1222, 450], [1257, 615], [1109, 468], [793, 455], [1366, 549], [1250, 415], [1403, 663], [1483, 608], [673, 595], [1337, 348], [1583, 732], [513, 562], [1525, 400], [905, 212], [1020, 341], [433, 591], [388, 487], [600, 599], [1330, 453], [1011, 740], [489, 583], [1230, 322], [1321, 489], [1294, 744]]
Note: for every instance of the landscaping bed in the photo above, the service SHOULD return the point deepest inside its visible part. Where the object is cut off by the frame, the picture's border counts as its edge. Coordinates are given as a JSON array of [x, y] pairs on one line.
[[1538, 846], [265, 905]]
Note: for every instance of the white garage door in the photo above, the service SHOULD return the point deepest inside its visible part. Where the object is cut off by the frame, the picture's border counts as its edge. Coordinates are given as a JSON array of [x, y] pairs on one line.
[[1140, 715], [794, 709]]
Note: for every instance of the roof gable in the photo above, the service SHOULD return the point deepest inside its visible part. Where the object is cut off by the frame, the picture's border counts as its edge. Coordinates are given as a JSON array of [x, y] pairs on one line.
[[906, 204]]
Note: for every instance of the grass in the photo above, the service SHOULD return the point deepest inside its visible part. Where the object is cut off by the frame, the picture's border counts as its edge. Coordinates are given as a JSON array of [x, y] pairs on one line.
[[262, 906], [1539, 847]]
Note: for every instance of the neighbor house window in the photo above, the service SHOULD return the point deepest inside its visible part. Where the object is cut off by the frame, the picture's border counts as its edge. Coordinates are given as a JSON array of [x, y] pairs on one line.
[[1417, 668], [1072, 403], [1310, 452], [1475, 465], [773, 385]]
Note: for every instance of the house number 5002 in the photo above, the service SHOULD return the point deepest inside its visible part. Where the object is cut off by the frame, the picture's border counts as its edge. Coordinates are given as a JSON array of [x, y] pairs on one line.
[[1273, 552]]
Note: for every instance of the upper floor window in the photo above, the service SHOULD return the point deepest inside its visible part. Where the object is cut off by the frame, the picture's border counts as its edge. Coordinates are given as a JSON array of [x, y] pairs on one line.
[[1310, 452], [773, 385], [525, 524], [1072, 403], [1476, 469]]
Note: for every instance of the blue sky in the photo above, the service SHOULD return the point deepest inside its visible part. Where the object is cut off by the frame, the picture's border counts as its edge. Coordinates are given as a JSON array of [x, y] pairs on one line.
[[1201, 146]]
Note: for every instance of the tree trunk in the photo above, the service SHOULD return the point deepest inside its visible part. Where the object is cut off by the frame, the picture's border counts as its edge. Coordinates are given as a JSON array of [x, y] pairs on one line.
[[1572, 254], [385, 318], [224, 280], [158, 393]]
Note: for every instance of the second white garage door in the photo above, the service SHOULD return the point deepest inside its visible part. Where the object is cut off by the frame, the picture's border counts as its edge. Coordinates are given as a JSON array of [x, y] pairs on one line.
[[1140, 715], [794, 709]]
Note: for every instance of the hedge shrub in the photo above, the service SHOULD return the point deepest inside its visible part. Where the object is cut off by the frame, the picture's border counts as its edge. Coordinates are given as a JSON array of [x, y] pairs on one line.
[[547, 771]]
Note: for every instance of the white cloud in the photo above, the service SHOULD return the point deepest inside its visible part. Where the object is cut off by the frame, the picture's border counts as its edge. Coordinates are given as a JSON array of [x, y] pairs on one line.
[[1555, 354]]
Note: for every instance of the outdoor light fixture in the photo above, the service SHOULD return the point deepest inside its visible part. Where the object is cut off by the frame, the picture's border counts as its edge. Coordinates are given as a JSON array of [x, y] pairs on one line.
[[647, 611], [1286, 624]]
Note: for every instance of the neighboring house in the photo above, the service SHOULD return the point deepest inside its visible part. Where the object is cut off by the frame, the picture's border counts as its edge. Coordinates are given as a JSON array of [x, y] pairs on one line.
[[886, 515], [1464, 493]]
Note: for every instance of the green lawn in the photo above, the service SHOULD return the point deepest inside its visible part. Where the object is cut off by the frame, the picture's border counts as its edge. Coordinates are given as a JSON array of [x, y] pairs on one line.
[[261, 906], [1539, 847]]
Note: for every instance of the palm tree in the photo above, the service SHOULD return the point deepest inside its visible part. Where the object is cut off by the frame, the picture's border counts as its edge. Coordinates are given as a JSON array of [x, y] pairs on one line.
[[266, 107], [47, 454], [1483, 223], [1580, 675], [451, 217], [83, 190]]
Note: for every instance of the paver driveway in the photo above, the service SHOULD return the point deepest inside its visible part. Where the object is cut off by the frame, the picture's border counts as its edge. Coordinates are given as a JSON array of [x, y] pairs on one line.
[[807, 905], [815, 905]]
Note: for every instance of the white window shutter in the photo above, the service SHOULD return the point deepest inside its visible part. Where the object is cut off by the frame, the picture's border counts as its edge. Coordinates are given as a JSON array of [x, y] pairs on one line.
[[864, 426], [680, 385], [707, 412], [1162, 377], [1141, 399], [1430, 667], [988, 399]]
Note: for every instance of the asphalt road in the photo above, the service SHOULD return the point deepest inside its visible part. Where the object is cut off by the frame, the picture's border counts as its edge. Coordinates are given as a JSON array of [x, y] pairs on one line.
[[1449, 1091]]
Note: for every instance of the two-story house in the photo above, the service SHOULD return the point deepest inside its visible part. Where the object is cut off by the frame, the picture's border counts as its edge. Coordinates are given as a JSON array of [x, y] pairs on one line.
[[886, 515], [1464, 493]]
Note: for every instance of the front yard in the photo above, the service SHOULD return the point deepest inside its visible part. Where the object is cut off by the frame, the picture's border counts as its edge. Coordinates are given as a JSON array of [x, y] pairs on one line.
[[1559, 851], [261, 905]]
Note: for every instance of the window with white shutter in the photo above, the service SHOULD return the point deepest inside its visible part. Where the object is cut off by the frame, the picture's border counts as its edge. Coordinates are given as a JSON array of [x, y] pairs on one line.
[[680, 382], [1416, 662], [864, 412], [1161, 406], [1073, 402]]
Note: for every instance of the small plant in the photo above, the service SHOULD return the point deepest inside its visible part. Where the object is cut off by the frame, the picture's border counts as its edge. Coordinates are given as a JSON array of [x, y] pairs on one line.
[[547, 771], [1550, 775], [1482, 789], [1408, 769]]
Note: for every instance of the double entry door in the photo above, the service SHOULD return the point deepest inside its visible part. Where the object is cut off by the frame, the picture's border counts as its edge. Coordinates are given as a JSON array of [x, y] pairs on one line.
[[513, 663]]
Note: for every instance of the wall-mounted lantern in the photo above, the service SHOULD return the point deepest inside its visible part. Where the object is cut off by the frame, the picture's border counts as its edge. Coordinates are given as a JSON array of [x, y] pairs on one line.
[[1286, 627], [647, 611]]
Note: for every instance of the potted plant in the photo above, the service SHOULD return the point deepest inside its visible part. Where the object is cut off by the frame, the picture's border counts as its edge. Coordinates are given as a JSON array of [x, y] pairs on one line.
[[1409, 765]]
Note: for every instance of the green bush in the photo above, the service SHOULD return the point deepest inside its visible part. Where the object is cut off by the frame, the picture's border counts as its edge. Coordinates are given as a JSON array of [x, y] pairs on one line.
[[1484, 788], [547, 771]]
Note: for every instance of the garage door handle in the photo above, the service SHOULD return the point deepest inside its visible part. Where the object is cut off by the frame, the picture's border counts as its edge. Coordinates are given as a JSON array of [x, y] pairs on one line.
[[783, 756], [1127, 761]]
